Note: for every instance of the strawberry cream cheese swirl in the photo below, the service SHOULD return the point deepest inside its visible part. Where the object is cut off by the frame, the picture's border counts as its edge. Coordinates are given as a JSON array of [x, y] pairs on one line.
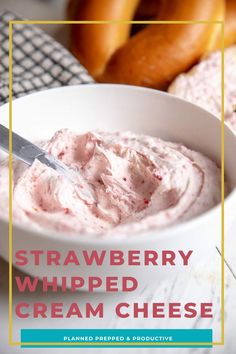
[[140, 183]]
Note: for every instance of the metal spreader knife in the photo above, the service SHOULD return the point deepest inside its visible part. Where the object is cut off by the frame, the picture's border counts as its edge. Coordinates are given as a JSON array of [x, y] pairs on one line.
[[27, 152]]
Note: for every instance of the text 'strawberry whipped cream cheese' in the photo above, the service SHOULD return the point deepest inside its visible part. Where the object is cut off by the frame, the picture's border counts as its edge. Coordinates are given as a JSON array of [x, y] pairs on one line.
[[202, 85], [140, 182]]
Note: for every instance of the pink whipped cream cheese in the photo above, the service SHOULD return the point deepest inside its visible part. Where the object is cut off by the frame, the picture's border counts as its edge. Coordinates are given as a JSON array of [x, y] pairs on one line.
[[140, 182], [202, 85]]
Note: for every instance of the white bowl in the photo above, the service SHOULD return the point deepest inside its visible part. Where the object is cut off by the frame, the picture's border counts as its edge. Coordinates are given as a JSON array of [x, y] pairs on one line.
[[119, 108]]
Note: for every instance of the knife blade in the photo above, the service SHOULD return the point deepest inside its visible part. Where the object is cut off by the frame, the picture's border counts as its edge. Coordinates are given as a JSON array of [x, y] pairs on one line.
[[28, 152]]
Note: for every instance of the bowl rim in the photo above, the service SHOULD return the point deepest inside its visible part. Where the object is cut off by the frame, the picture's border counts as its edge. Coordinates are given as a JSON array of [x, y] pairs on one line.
[[141, 236], [101, 86]]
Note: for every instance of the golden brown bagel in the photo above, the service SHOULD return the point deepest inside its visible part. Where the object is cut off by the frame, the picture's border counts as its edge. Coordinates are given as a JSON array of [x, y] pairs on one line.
[[94, 44], [153, 56], [230, 25], [230, 22]]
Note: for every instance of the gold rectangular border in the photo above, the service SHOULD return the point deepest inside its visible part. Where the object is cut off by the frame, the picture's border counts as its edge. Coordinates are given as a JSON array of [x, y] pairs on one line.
[[11, 342]]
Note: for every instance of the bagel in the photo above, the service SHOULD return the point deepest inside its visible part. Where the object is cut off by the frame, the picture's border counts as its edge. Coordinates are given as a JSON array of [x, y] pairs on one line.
[[230, 28], [155, 55], [230, 24], [93, 45]]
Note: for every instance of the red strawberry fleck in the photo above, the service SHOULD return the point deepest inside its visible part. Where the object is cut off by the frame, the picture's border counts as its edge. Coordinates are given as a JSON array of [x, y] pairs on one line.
[[66, 210], [62, 153], [159, 177], [146, 201], [124, 178]]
